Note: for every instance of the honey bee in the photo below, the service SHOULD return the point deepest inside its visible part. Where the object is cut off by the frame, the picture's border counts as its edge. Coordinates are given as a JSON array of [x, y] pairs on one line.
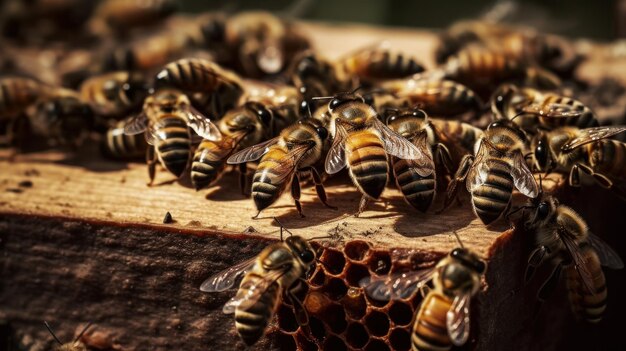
[[571, 150], [120, 146], [76, 345], [531, 109], [115, 93], [17, 94], [375, 63], [496, 168], [443, 319], [563, 239], [194, 75], [443, 98], [279, 270], [166, 118], [362, 142], [123, 15], [283, 159]]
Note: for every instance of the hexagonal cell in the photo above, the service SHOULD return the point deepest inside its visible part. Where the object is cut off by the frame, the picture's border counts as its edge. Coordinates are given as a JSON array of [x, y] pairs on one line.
[[286, 342], [377, 323], [286, 319], [356, 335], [335, 344], [317, 328], [333, 261], [355, 304], [376, 345], [376, 303], [401, 313], [379, 262], [400, 339], [356, 250], [318, 278], [304, 343], [355, 273], [335, 318], [335, 288]]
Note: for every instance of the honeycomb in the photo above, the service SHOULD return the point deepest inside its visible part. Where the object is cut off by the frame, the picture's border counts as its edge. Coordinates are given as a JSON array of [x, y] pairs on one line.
[[342, 316]]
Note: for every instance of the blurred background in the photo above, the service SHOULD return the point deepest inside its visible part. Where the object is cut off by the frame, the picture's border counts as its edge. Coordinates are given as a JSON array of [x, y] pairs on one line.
[[600, 20]]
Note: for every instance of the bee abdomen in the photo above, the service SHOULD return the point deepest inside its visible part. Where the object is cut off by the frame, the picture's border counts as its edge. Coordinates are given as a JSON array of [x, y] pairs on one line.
[[251, 322], [265, 189], [588, 305], [118, 145], [175, 147], [208, 164], [491, 199], [418, 191], [395, 65], [16, 94], [367, 162], [585, 119], [429, 330]]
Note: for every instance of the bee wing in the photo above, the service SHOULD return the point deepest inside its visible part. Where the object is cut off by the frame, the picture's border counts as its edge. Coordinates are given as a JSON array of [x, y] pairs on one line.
[[137, 124], [396, 286], [251, 290], [226, 279], [252, 153], [202, 125], [608, 257], [591, 135], [580, 263], [288, 164], [553, 110], [426, 165], [458, 320], [477, 175], [522, 176], [399, 146], [336, 157]]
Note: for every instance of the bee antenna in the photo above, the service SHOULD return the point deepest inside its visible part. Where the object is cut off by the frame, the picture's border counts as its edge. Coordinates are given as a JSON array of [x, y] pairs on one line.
[[82, 332], [458, 239], [322, 97], [320, 237], [52, 332], [517, 115], [308, 107], [282, 228], [356, 89]]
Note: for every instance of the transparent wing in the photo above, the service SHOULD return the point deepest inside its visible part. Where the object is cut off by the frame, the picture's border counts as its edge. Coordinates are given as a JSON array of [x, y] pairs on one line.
[[522, 176], [477, 175], [251, 290], [336, 157], [424, 166], [458, 320], [590, 135], [252, 153], [287, 165], [396, 286], [608, 257], [397, 145], [137, 124], [580, 262], [202, 125], [553, 110], [226, 279]]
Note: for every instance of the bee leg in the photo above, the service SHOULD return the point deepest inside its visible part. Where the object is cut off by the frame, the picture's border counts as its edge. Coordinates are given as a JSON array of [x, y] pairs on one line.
[[257, 215], [534, 260], [451, 193], [295, 193], [243, 179], [319, 188], [550, 284], [151, 160], [302, 317], [599, 178], [443, 156], [362, 205]]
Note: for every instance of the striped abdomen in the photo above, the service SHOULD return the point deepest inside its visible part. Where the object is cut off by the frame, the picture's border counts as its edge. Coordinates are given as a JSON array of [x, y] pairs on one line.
[[195, 75], [385, 64], [251, 322], [586, 119], [588, 305], [209, 161], [16, 94], [491, 199], [483, 66], [444, 98], [265, 188], [429, 330], [367, 162], [118, 145], [452, 132], [174, 143], [608, 157], [418, 191]]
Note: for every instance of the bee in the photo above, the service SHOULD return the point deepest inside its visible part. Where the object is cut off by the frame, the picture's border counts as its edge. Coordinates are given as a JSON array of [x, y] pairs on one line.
[[194, 75], [283, 159], [17, 94], [443, 98], [76, 345], [532, 109], [376, 63], [123, 15], [497, 167], [571, 151], [115, 93], [443, 319], [165, 121], [279, 270], [563, 239], [119, 146], [362, 142]]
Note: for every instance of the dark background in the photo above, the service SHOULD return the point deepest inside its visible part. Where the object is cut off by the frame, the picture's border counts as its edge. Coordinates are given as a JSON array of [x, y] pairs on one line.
[[600, 20]]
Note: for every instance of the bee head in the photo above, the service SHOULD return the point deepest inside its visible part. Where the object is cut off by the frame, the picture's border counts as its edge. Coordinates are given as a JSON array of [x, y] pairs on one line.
[[135, 88], [261, 112], [501, 97], [213, 32], [510, 125], [344, 98], [468, 259], [301, 248], [462, 273], [307, 66], [541, 152]]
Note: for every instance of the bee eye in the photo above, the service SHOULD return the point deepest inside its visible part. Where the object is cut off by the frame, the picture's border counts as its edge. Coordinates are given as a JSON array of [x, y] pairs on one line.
[[369, 99], [543, 210], [495, 124], [419, 113], [322, 132], [541, 154], [307, 256], [334, 103], [265, 116], [307, 108], [456, 253], [391, 117], [480, 266]]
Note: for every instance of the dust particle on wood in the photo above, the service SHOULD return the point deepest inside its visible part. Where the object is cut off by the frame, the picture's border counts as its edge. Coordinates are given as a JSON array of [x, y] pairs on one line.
[[168, 218]]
